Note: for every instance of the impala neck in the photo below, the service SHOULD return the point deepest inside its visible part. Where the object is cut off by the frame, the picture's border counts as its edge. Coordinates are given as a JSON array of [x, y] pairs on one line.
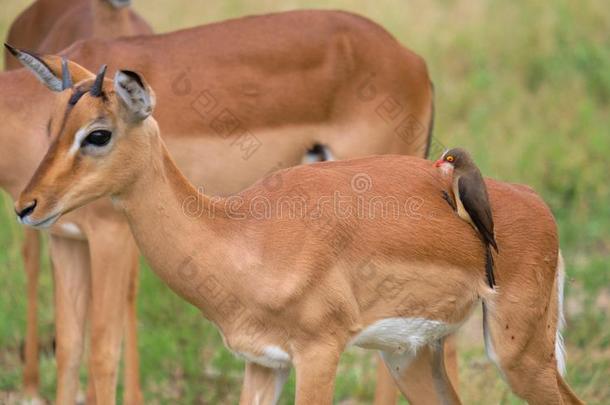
[[178, 230], [25, 111]]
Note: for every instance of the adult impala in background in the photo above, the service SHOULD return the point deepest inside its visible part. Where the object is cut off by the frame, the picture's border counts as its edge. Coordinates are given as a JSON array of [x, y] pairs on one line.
[[50, 26], [284, 290], [238, 99]]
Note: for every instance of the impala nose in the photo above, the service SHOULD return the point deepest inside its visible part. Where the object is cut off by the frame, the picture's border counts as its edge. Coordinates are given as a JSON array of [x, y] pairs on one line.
[[27, 210]]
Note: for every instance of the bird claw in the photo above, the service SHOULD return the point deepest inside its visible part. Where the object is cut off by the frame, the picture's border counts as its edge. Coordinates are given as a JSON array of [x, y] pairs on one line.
[[449, 200]]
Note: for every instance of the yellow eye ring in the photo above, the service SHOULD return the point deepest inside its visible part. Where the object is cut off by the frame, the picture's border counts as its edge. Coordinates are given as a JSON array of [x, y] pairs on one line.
[[449, 158]]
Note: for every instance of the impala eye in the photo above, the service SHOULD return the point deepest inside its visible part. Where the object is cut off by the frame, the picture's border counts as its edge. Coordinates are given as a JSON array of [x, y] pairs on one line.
[[97, 138]]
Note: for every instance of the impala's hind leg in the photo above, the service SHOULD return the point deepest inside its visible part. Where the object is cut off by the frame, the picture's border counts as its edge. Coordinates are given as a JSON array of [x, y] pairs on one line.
[[262, 385], [417, 379], [422, 377], [521, 337], [386, 392]]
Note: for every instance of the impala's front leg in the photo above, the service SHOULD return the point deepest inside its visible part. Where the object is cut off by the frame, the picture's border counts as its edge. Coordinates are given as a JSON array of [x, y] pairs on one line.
[[31, 263], [262, 385], [316, 369], [132, 389], [113, 255], [71, 280]]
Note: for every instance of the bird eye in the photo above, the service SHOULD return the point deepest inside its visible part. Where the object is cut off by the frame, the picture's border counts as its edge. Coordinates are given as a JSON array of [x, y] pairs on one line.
[[97, 138], [449, 159]]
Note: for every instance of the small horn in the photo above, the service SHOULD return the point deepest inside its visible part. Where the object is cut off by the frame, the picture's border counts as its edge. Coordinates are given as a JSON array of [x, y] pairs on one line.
[[66, 77], [96, 89]]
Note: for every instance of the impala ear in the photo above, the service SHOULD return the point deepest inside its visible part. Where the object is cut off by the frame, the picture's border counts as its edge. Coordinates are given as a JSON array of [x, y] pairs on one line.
[[50, 69], [136, 97]]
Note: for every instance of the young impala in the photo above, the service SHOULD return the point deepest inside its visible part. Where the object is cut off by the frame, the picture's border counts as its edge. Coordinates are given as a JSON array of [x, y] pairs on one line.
[[258, 91], [50, 26], [363, 252]]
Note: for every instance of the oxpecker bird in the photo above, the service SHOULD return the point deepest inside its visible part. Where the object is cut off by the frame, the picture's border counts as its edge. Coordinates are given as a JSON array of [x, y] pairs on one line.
[[470, 199]]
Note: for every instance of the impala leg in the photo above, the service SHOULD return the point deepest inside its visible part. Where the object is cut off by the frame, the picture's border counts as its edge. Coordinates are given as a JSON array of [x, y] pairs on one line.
[[31, 261], [90, 395], [262, 385], [133, 391], [451, 362], [386, 392], [417, 379], [521, 338], [316, 370], [113, 253], [71, 280], [421, 377], [444, 388]]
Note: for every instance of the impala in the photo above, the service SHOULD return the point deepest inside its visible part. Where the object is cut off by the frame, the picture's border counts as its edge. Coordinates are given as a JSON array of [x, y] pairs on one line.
[[235, 90], [285, 289], [50, 26]]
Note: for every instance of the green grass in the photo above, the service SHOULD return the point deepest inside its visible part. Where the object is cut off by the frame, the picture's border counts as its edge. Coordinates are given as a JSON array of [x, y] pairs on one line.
[[524, 85]]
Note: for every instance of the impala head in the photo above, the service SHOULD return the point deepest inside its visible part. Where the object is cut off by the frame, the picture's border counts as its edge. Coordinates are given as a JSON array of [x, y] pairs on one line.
[[98, 127], [452, 159]]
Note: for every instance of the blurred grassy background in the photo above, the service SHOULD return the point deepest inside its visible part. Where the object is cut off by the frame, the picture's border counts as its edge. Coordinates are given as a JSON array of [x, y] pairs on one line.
[[524, 85]]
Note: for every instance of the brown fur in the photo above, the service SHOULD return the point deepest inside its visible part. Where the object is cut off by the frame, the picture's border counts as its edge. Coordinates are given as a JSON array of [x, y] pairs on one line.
[[344, 114], [298, 285]]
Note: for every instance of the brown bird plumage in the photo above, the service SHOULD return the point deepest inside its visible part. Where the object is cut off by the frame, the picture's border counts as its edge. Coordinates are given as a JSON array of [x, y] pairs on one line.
[[470, 199]]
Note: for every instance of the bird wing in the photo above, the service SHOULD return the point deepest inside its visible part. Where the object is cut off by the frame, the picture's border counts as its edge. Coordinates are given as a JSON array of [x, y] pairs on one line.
[[476, 203]]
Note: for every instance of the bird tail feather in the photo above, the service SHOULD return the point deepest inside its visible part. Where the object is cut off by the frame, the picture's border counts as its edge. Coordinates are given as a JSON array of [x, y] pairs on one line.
[[489, 266]]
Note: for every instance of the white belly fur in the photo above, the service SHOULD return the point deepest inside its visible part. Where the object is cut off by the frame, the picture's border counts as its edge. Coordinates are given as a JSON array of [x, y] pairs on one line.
[[391, 335], [401, 335], [272, 357]]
